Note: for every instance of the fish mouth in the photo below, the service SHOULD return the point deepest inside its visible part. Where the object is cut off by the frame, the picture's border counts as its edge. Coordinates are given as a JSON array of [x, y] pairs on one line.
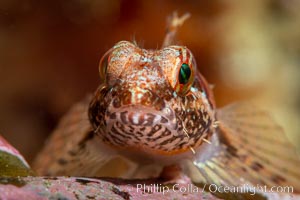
[[140, 107], [139, 126], [141, 116]]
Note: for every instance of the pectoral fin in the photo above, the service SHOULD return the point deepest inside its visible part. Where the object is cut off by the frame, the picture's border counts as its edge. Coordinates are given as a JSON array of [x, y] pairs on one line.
[[75, 150], [248, 147]]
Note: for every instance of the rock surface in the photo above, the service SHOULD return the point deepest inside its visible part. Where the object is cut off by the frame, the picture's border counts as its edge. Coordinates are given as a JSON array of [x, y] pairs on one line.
[[90, 188]]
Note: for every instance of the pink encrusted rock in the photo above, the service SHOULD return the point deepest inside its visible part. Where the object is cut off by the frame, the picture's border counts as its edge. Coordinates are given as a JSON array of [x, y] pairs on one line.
[[13, 192], [88, 188], [12, 162], [70, 188]]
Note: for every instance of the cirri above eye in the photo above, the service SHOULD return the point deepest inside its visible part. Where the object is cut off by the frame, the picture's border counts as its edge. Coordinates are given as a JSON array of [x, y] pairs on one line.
[[103, 65], [184, 73], [112, 63]]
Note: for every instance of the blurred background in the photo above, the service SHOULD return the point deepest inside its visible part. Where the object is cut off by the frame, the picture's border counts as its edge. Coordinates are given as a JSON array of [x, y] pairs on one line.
[[49, 54]]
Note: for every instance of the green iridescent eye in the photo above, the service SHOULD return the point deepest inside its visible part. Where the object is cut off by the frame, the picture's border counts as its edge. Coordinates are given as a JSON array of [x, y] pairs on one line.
[[184, 73]]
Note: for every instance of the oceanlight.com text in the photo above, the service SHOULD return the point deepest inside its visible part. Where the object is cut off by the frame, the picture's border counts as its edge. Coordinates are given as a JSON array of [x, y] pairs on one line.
[[212, 188]]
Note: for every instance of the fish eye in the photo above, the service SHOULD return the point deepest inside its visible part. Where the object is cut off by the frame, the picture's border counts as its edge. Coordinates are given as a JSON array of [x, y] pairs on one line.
[[184, 73], [180, 68]]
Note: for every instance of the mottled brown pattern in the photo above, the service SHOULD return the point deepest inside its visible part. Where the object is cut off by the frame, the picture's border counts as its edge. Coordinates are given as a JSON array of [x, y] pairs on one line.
[[142, 101]]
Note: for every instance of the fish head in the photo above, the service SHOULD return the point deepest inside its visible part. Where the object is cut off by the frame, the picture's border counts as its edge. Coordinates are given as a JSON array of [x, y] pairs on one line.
[[151, 100]]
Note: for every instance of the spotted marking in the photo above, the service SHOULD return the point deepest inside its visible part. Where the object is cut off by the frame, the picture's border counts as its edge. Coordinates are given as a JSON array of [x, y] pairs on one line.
[[141, 104]]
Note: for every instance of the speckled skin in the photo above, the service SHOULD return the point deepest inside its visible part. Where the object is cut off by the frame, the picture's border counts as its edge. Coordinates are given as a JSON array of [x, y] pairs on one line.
[[143, 107]]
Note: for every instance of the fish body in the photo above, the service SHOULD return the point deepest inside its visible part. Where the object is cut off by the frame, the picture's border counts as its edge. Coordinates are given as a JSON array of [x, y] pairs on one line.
[[154, 107]]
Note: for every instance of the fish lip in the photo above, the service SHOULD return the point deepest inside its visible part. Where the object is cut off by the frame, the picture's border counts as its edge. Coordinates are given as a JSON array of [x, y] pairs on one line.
[[142, 120], [139, 109]]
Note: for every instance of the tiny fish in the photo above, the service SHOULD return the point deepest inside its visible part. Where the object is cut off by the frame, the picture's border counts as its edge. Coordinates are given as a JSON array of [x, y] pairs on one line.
[[154, 108]]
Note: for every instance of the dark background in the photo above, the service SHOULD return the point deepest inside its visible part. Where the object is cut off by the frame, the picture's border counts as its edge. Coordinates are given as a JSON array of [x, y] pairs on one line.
[[49, 54]]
